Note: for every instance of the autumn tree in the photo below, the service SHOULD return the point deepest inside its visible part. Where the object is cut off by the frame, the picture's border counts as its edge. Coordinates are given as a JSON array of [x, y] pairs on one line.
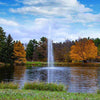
[[84, 50], [67, 47], [19, 53], [62, 51]]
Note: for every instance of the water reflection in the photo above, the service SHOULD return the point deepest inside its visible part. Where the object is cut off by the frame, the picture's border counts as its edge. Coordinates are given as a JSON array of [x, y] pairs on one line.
[[83, 79], [6, 74], [79, 79], [98, 75], [19, 75], [19, 72]]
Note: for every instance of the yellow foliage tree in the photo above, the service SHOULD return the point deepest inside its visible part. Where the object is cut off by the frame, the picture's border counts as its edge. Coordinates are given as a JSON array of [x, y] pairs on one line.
[[83, 49], [19, 53]]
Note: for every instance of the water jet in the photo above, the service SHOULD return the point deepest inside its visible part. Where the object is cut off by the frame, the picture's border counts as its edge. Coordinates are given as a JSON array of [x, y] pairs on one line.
[[50, 50]]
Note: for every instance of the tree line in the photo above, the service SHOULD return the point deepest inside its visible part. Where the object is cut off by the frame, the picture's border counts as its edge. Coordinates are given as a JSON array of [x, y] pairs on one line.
[[11, 51], [83, 49]]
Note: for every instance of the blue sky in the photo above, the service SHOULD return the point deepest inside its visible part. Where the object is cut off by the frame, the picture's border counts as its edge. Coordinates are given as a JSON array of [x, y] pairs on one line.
[[68, 19]]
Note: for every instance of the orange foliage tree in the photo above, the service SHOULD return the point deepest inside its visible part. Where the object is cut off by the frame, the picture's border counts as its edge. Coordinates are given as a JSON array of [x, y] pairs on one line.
[[83, 49], [19, 53]]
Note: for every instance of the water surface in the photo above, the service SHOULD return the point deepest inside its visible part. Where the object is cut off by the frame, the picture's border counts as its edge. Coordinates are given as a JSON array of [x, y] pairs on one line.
[[79, 79]]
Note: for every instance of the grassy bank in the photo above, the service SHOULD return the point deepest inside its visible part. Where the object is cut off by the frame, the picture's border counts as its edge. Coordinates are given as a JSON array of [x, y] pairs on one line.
[[36, 63], [35, 86], [44, 86], [43, 64], [44, 95], [63, 64], [42, 91], [9, 86]]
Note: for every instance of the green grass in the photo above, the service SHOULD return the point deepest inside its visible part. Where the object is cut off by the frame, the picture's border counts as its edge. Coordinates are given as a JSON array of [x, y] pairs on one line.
[[98, 91], [44, 95], [40, 64], [8, 86], [44, 86]]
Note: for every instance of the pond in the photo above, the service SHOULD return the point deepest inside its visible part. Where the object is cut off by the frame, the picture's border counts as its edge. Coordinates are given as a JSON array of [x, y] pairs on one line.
[[79, 79]]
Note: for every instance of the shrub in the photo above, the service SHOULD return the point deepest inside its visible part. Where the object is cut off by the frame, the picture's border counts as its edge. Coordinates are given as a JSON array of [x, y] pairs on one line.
[[8, 86], [98, 91], [44, 86]]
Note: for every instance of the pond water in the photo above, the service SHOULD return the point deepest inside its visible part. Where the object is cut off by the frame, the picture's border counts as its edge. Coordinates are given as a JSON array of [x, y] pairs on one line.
[[79, 79]]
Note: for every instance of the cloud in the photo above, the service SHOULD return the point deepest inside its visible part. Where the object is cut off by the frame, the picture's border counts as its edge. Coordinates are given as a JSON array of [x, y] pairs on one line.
[[70, 10], [68, 19], [1, 3], [35, 29], [8, 22], [51, 8], [87, 17]]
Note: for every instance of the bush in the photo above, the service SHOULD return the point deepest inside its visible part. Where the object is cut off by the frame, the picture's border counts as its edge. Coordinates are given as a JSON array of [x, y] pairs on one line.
[[8, 86], [98, 91], [44, 86]]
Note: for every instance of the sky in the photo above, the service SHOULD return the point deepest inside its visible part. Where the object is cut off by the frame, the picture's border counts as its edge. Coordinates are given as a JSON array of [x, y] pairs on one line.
[[62, 19]]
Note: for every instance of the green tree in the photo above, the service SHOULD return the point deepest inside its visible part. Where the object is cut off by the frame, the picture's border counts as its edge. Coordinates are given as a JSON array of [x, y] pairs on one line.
[[31, 47], [43, 40], [97, 41], [8, 50], [2, 43], [99, 50]]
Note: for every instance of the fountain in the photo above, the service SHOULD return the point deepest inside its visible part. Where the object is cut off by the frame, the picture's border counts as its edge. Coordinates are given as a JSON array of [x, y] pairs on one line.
[[50, 50], [50, 58], [50, 68]]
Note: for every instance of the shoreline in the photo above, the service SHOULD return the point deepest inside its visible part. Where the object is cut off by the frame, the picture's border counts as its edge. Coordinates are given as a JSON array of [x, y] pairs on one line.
[[61, 64], [40, 64]]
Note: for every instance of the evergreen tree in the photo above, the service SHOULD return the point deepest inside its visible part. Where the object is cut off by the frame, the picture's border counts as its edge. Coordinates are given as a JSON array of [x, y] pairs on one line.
[[97, 41], [8, 50], [2, 43], [31, 48], [99, 50]]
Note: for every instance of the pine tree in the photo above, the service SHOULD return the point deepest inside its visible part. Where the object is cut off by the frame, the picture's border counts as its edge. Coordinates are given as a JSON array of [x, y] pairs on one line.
[[31, 47], [2, 43], [8, 50]]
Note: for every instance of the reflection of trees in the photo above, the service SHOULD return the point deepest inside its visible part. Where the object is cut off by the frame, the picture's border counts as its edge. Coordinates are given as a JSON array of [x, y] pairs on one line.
[[6, 73], [98, 77], [19, 72], [84, 79]]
